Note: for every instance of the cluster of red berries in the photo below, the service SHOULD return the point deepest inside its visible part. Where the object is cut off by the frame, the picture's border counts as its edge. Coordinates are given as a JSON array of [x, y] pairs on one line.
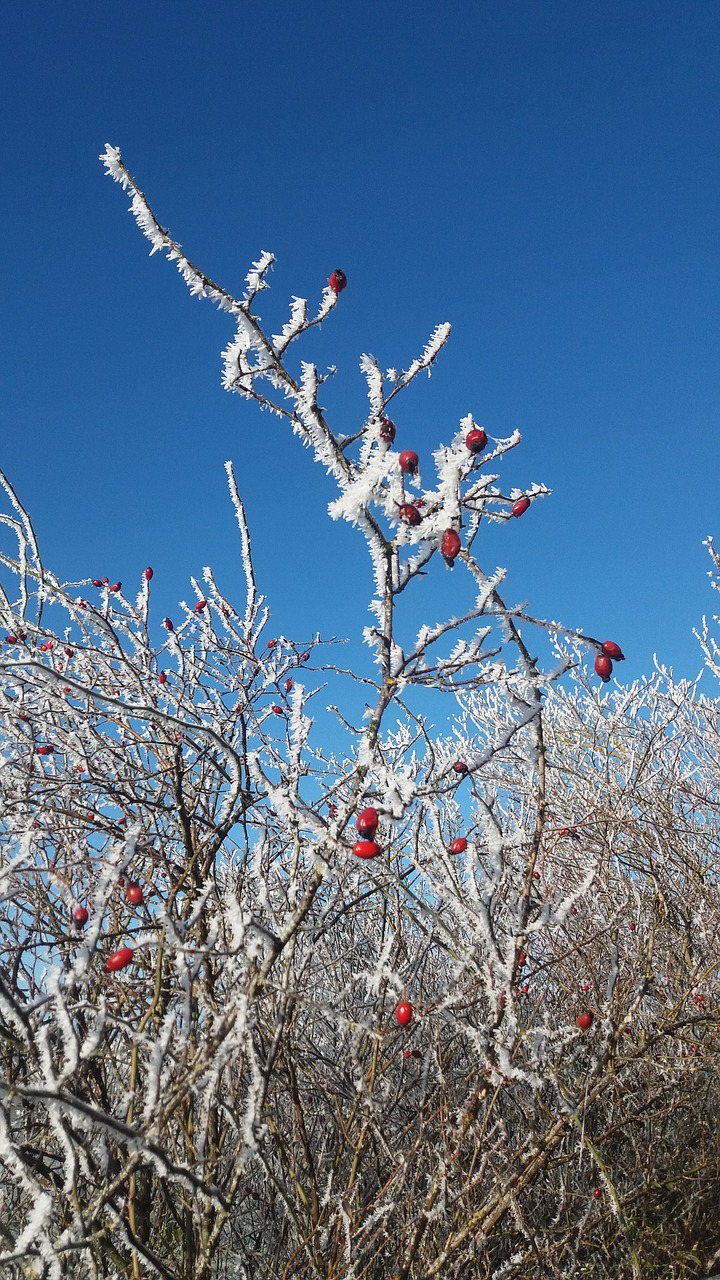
[[409, 513], [450, 544], [367, 825], [121, 958], [609, 652]]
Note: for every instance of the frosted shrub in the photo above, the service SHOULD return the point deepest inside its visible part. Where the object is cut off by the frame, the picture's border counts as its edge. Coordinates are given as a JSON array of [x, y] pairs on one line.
[[245, 1032]]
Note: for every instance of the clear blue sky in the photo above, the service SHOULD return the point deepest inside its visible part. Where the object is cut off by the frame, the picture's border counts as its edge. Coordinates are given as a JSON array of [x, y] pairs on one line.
[[543, 175]]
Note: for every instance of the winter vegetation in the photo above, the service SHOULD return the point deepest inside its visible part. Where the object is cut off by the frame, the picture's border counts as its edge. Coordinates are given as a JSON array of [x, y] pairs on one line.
[[429, 1005]]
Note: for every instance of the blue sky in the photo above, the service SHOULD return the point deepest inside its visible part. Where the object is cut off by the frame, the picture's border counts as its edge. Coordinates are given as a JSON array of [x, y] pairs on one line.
[[544, 176]]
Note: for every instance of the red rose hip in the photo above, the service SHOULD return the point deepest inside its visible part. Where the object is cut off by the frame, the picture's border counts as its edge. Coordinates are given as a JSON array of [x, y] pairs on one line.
[[367, 822], [119, 959], [388, 430], [337, 281], [459, 845], [409, 462], [410, 514], [134, 893], [520, 507], [81, 915], [603, 667], [404, 1013], [584, 1020], [460, 767], [450, 546], [613, 650], [366, 849], [476, 440]]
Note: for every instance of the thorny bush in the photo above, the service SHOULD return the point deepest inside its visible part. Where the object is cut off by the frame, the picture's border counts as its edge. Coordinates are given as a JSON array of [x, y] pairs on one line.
[[203, 1070]]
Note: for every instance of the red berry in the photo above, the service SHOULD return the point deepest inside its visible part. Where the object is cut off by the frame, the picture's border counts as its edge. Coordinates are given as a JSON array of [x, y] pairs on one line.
[[25, 719], [459, 845], [366, 849], [408, 1053], [416, 1053], [11, 639], [337, 281], [404, 1013], [409, 462], [450, 546], [520, 507], [201, 604], [584, 1020], [81, 604], [168, 624], [596, 1193], [278, 710], [162, 677], [524, 989], [303, 657], [45, 751], [410, 514], [119, 959], [104, 581], [70, 653], [81, 915], [476, 440], [603, 667], [97, 582], [271, 644], [134, 893], [613, 650], [115, 586], [148, 574], [388, 430], [460, 767], [66, 688], [288, 685], [367, 822]]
